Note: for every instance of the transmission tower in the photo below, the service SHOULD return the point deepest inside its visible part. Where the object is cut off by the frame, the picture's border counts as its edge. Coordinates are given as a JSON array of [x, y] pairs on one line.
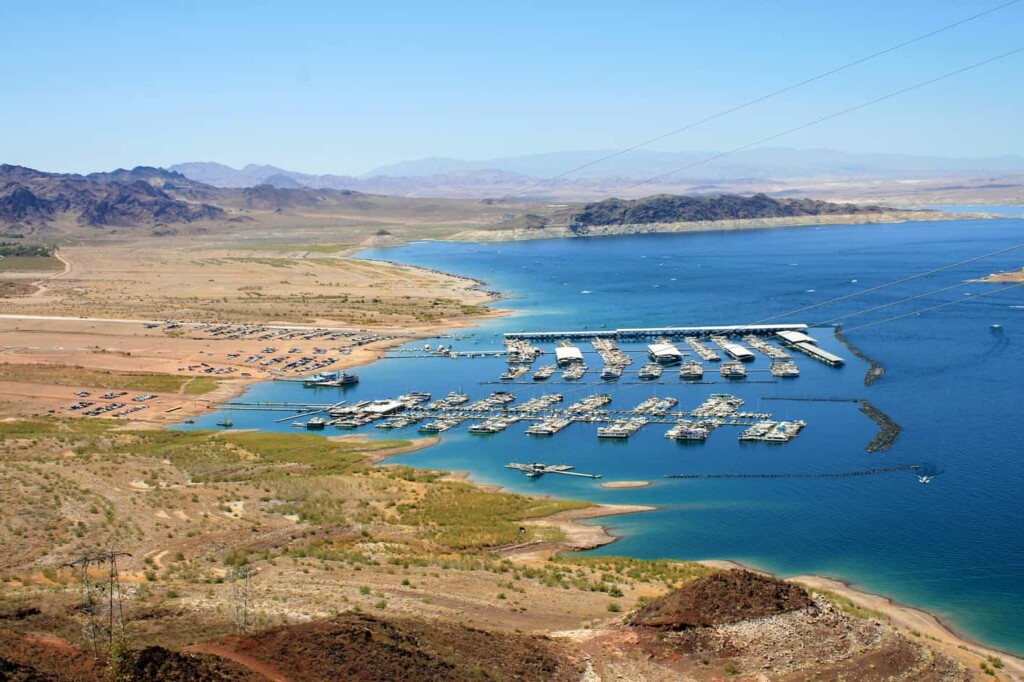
[[241, 597]]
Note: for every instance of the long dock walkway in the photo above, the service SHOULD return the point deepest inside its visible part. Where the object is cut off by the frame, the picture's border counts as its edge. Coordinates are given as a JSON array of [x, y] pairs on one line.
[[655, 332]]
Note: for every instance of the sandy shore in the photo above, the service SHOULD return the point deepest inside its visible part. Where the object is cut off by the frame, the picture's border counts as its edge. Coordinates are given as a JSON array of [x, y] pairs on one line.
[[619, 485]]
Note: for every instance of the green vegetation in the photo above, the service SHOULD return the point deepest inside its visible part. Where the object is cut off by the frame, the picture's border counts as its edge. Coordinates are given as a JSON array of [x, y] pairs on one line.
[[671, 574], [27, 257], [29, 264], [67, 375], [8, 249], [459, 516]]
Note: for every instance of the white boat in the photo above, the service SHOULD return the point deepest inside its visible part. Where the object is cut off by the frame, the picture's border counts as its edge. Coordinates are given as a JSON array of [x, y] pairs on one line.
[[691, 370], [733, 370], [611, 373], [649, 371]]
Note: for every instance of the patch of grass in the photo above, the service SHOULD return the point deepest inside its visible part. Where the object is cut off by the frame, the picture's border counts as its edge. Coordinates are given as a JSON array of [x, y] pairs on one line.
[[67, 375], [460, 516], [201, 385], [65, 428], [30, 264], [672, 574]]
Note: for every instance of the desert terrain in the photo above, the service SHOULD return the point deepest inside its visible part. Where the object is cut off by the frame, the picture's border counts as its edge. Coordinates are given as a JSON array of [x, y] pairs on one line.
[[236, 548], [265, 556]]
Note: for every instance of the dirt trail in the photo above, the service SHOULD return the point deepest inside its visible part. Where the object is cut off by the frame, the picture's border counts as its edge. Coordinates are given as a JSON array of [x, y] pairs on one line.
[[41, 288], [248, 662]]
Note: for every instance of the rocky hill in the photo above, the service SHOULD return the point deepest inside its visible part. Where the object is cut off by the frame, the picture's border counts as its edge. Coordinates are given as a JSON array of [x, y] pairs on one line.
[[142, 196], [722, 598], [666, 208]]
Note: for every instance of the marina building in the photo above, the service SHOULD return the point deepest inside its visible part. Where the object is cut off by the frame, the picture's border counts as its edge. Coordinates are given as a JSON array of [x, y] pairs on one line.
[[568, 355]]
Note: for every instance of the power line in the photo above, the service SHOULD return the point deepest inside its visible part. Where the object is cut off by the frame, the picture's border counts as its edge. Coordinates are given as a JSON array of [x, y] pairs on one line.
[[888, 305], [934, 307], [889, 284], [758, 100], [829, 117]]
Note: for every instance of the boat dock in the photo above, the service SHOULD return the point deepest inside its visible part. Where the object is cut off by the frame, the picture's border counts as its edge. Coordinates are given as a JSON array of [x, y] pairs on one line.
[[639, 334], [796, 339], [542, 415], [537, 469]]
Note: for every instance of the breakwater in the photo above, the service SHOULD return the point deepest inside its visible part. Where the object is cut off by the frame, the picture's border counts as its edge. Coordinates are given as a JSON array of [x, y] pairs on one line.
[[875, 369], [842, 474], [888, 430]]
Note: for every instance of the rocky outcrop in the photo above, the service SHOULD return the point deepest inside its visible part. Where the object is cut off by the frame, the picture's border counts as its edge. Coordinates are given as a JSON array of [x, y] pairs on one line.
[[667, 208], [143, 196], [722, 598]]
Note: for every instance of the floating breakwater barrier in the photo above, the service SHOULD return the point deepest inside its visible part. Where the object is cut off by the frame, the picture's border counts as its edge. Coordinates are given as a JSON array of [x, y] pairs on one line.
[[843, 474]]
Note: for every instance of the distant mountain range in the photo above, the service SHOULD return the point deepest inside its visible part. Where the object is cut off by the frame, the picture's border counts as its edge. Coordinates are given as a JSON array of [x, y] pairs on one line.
[[747, 171], [142, 196], [766, 162]]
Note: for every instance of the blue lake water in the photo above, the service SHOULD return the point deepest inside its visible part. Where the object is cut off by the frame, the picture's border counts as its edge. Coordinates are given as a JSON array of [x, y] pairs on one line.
[[954, 547]]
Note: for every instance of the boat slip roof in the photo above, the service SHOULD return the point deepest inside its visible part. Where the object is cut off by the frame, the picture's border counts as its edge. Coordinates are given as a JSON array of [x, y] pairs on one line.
[[563, 353], [663, 349], [794, 336]]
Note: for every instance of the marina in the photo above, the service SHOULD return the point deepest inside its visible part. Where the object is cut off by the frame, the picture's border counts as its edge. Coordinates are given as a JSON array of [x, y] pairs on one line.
[[744, 517], [499, 410]]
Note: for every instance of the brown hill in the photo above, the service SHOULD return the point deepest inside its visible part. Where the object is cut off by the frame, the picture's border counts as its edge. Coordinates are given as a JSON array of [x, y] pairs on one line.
[[122, 198], [722, 598], [361, 648]]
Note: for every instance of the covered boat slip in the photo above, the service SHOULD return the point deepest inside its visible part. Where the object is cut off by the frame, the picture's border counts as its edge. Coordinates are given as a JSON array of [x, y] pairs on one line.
[[568, 355], [664, 353]]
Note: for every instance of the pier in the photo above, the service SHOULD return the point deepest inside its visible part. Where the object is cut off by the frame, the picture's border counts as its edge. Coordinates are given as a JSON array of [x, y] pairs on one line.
[[535, 470], [637, 334]]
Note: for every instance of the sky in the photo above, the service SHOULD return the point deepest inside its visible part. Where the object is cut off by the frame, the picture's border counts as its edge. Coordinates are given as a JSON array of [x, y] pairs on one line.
[[342, 87]]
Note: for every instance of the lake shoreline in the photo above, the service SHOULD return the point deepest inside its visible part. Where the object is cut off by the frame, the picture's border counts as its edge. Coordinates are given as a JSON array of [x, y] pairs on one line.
[[861, 596]]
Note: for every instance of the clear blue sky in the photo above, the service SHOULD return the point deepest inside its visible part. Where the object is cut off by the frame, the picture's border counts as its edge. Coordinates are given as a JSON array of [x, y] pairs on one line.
[[344, 86]]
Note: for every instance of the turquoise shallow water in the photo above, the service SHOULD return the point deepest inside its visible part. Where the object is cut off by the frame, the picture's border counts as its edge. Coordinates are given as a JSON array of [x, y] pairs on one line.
[[955, 547]]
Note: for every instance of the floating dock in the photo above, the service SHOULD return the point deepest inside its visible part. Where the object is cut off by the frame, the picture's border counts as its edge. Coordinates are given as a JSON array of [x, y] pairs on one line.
[[537, 469], [819, 354]]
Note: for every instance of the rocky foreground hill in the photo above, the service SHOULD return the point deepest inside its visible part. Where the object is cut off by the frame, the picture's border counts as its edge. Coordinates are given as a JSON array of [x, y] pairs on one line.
[[731, 624]]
